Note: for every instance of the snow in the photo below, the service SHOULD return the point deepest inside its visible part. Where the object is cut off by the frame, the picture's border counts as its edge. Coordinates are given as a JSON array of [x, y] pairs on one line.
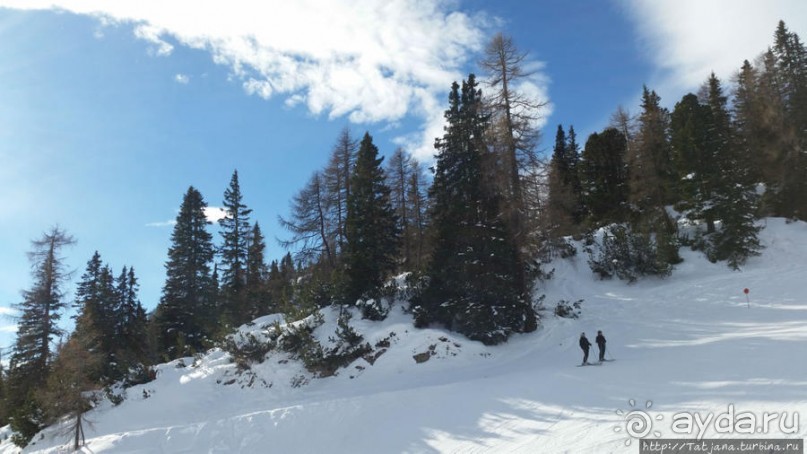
[[687, 343]]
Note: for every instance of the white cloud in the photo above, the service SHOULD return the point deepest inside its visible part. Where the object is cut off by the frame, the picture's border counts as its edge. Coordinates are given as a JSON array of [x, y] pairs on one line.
[[213, 214], [688, 39], [154, 34], [182, 79], [7, 311], [372, 61]]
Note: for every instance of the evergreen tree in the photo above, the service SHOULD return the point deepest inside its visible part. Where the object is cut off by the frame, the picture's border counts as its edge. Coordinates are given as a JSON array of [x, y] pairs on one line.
[[573, 176], [791, 62], [652, 178], [650, 167], [694, 156], [40, 311], [565, 205], [791, 74], [372, 233], [604, 177], [215, 304], [281, 276], [97, 309], [735, 199], [235, 231], [474, 273], [130, 322], [257, 276], [183, 317], [773, 127]]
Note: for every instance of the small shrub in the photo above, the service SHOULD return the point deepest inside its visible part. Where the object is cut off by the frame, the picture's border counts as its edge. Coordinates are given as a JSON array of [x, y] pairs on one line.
[[373, 309], [568, 309]]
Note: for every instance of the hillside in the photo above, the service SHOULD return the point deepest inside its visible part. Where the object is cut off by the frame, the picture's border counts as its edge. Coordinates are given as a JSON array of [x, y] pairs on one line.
[[688, 343]]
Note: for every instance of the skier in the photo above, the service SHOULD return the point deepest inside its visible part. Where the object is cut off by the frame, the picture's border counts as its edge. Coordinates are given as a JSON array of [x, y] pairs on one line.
[[601, 343], [585, 345]]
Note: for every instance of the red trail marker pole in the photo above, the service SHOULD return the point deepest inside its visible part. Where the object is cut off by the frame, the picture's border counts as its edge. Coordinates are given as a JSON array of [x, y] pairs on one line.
[[747, 300]]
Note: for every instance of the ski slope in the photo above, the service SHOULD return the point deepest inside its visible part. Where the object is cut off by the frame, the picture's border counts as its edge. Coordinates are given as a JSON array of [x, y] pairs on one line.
[[688, 343]]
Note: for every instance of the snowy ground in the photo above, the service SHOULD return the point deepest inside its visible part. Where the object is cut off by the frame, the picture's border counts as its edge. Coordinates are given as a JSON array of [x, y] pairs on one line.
[[688, 343]]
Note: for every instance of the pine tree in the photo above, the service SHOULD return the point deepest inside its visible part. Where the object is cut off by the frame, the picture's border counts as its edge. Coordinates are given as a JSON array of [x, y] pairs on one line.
[[131, 322], [652, 179], [184, 315], [372, 232], [573, 176], [791, 61], [791, 74], [235, 231], [604, 177], [694, 158], [97, 308], [650, 167], [38, 324], [565, 205], [279, 284], [735, 199], [257, 276], [474, 273]]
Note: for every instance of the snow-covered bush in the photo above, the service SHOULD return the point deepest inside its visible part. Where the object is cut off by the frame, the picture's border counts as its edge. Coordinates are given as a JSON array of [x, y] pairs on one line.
[[373, 309], [626, 254], [567, 309]]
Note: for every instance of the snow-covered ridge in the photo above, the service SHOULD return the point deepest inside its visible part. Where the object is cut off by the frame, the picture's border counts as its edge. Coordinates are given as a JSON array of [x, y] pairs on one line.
[[687, 343]]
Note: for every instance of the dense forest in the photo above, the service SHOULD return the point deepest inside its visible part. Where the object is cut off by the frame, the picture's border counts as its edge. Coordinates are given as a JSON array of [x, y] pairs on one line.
[[471, 235]]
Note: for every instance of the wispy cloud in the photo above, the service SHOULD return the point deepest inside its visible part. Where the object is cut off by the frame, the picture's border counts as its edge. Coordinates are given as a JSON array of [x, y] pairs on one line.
[[688, 39], [371, 61], [183, 79], [8, 328], [7, 315], [160, 224]]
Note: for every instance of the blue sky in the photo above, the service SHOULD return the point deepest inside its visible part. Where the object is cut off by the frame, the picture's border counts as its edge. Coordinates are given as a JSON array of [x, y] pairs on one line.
[[110, 110]]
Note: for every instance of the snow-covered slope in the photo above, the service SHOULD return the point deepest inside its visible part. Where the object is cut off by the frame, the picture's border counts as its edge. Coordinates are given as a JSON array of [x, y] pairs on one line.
[[688, 343]]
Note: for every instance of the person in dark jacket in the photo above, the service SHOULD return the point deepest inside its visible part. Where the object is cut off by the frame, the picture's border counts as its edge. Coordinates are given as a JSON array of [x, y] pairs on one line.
[[585, 345], [601, 343]]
